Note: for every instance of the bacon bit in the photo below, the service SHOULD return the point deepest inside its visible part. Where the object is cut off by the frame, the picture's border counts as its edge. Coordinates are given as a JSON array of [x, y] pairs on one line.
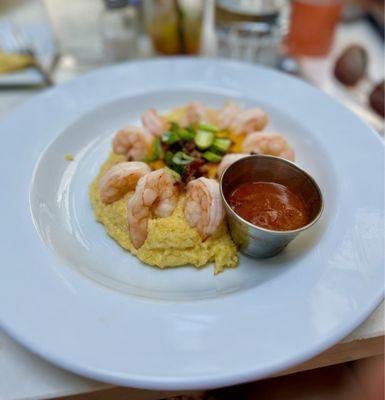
[[189, 146], [180, 185], [190, 149], [203, 171], [195, 169]]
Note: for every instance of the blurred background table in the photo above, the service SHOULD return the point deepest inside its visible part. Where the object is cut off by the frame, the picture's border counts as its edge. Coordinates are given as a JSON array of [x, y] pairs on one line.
[[76, 26]]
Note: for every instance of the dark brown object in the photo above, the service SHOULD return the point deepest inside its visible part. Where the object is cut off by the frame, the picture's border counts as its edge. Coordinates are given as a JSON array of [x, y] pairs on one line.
[[194, 170], [189, 146], [351, 65], [376, 99], [190, 149]]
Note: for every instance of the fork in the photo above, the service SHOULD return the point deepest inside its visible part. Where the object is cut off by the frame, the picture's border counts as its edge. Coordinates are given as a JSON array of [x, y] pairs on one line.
[[16, 42]]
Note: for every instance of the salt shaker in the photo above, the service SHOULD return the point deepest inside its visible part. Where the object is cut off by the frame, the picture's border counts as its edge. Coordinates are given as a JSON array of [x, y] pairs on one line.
[[119, 29]]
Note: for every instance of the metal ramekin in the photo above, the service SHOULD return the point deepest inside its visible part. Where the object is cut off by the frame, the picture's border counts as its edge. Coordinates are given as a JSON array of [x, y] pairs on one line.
[[251, 239]]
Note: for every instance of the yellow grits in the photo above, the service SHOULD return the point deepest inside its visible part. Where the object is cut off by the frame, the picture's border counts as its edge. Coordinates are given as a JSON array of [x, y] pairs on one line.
[[171, 242]]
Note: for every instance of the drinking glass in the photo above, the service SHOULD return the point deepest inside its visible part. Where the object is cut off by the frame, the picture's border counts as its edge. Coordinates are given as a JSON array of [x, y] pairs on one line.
[[312, 26]]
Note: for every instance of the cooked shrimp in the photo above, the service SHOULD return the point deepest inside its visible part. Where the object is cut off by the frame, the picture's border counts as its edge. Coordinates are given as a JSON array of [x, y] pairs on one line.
[[268, 143], [241, 122], [133, 142], [247, 121], [227, 160], [227, 114], [156, 194], [195, 112], [203, 208], [120, 179], [154, 123]]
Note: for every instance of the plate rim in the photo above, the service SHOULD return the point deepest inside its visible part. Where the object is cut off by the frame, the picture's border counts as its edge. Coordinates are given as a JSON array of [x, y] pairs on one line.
[[193, 382]]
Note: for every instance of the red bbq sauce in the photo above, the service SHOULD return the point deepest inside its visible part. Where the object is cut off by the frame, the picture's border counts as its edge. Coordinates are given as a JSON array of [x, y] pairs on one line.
[[269, 205]]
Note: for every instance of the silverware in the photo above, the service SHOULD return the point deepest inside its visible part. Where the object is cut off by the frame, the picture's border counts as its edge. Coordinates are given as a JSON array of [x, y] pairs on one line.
[[253, 240], [16, 42]]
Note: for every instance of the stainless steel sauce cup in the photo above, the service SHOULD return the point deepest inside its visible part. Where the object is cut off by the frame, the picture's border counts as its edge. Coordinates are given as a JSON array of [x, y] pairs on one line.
[[251, 239]]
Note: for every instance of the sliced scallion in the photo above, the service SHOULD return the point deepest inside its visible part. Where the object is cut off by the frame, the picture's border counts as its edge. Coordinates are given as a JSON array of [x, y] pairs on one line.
[[204, 139], [170, 137], [209, 128], [168, 158], [211, 157], [173, 173], [186, 134], [181, 158], [221, 144]]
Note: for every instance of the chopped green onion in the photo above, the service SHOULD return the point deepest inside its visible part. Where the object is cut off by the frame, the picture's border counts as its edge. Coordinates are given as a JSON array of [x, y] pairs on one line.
[[168, 158], [177, 161], [209, 128], [177, 168], [157, 145], [204, 139], [156, 151], [221, 145], [173, 173], [186, 134], [211, 157], [181, 158], [170, 137], [173, 126]]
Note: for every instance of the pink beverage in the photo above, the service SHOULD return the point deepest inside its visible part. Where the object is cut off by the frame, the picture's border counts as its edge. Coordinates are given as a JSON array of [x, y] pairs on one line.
[[312, 26]]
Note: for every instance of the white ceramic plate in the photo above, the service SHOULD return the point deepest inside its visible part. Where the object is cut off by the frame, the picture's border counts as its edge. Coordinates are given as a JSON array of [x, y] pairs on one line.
[[71, 295]]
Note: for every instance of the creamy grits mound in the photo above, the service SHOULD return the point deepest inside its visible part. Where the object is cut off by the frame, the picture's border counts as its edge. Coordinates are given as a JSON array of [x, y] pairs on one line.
[[171, 242]]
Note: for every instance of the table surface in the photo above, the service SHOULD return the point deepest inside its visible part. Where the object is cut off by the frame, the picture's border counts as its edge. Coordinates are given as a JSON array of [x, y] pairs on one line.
[[25, 376]]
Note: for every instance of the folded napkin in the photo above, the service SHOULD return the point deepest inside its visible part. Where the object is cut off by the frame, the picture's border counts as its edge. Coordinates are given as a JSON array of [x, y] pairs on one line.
[[10, 62]]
